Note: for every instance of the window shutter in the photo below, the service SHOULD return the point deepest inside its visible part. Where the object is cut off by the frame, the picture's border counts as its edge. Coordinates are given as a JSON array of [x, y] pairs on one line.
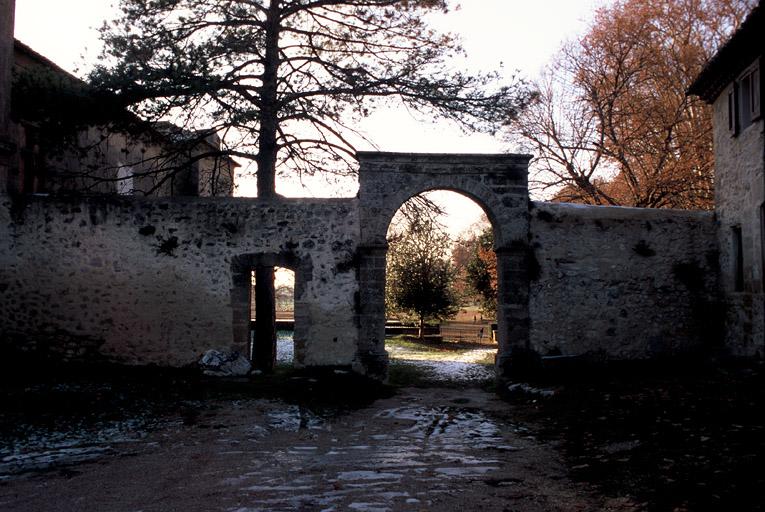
[[732, 109], [756, 99], [737, 258]]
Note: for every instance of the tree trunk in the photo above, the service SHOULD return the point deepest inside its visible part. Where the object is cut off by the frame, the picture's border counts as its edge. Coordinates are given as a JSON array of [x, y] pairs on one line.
[[422, 328], [265, 299], [269, 107], [264, 351]]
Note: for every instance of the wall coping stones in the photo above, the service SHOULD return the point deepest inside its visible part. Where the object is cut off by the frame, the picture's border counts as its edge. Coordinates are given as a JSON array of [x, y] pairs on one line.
[[127, 200], [444, 158], [618, 212]]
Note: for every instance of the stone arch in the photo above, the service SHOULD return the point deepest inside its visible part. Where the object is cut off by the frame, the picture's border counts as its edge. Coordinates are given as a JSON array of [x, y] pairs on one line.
[[498, 183], [376, 231], [241, 269]]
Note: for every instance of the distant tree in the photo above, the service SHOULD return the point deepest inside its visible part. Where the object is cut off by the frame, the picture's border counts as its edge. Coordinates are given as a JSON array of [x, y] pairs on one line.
[[463, 253], [419, 276], [612, 123], [481, 271], [460, 255]]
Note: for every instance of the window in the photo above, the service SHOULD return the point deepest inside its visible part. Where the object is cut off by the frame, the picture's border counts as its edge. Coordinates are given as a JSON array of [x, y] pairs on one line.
[[756, 94], [32, 168], [762, 244], [744, 99], [745, 111], [125, 180], [732, 109]]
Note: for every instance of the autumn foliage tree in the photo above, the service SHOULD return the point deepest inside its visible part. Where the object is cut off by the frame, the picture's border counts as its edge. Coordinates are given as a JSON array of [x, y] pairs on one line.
[[476, 266], [613, 125], [481, 271]]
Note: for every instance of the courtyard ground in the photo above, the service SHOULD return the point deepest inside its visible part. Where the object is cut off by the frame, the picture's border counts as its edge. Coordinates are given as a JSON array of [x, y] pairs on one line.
[[438, 438]]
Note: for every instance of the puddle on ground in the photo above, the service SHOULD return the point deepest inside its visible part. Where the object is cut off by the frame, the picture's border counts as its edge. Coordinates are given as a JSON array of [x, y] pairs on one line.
[[292, 418], [402, 457], [41, 448]]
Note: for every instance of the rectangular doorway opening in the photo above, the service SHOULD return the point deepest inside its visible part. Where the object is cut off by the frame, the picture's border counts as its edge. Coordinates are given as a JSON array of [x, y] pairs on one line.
[[283, 314]]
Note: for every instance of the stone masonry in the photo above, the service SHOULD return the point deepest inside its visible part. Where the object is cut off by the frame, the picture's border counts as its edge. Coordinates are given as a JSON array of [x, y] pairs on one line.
[[740, 204], [161, 280], [623, 283], [152, 281], [731, 82]]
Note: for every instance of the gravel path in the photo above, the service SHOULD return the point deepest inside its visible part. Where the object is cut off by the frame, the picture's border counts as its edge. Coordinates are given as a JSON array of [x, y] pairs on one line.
[[428, 448]]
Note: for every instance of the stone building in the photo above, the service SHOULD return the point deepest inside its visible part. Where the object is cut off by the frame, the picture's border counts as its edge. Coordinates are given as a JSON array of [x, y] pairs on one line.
[[7, 147], [69, 140], [159, 280], [731, 82]]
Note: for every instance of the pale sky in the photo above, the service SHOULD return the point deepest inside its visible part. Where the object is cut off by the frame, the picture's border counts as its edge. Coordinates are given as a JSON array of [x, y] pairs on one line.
[[510, 34]]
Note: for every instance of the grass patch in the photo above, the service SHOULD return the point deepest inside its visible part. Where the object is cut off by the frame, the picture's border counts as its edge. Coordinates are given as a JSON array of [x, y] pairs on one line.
[[488, 359], [426, 345], [408, 375]]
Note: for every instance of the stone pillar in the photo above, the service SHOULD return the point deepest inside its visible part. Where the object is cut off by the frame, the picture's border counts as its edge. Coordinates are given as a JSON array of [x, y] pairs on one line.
[[515, 359], [372, 359], [7, 146], [241, 273]]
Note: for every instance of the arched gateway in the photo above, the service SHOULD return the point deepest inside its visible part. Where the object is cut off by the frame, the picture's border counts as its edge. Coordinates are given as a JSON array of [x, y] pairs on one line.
[[498, 183]]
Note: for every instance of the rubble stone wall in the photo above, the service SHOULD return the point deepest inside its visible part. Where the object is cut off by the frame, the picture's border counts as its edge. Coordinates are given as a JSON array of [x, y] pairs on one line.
[[150, 281], [622, 282], [498, 183], [161, 280]]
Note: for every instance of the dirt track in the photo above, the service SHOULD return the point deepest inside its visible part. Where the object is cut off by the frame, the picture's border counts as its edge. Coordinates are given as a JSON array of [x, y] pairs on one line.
[[422, 449], [645, 438]]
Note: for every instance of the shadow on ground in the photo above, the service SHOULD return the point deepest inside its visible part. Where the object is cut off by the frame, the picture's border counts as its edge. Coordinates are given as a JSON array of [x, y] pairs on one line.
[[674, 436]]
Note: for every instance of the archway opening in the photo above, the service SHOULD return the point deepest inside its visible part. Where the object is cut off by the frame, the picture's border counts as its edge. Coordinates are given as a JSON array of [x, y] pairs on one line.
[[441, 289]]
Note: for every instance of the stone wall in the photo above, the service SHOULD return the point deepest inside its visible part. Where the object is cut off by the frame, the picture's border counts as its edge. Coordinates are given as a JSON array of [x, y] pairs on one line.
[[160, 280], [151, 281], [622, 282], [739, 199]]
